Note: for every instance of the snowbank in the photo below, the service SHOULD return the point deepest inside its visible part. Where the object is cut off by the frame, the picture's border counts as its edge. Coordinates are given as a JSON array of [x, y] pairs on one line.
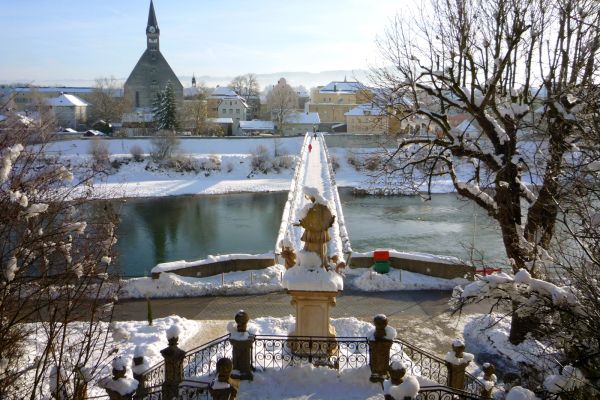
[[309, 275], [371, 281]]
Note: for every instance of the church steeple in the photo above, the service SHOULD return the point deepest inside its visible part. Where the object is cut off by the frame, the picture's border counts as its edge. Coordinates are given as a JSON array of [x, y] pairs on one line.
[[152, 31]]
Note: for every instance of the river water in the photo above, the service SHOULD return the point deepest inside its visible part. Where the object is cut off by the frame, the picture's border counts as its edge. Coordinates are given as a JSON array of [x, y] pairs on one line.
[[191, 227]]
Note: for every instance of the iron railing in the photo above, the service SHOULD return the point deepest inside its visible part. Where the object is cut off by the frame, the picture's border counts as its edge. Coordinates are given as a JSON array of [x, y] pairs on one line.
[[444, 393], [281, 352]]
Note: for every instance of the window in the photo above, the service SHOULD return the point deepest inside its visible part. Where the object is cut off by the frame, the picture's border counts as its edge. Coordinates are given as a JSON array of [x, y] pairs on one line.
[[137, 99], [231, 111], [237, 111]]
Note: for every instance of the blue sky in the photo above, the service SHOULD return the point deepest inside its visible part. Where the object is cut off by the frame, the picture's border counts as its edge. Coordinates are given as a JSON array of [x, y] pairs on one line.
[[49, 41]]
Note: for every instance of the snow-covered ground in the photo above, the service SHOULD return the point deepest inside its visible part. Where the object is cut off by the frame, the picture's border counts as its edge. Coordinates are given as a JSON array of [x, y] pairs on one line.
[[270, 280], [134, 179]]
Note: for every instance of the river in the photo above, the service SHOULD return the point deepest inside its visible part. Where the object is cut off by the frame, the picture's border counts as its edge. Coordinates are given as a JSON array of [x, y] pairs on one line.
[[154, 230]]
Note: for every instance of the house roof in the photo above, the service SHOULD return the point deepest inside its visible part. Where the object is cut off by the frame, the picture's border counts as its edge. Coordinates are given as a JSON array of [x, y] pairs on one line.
[[303, 118], [365, 109], [236, 97], [342, 87], [223, 91], [66, 100], [257, 125]]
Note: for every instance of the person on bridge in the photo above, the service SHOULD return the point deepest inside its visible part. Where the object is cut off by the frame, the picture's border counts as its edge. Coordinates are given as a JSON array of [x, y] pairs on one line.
[[309, 147]]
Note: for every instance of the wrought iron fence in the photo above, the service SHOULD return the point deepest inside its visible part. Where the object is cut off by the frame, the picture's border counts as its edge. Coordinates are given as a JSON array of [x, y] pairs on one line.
[[202, 361], [444, 393], [280, 352], [188, 390]]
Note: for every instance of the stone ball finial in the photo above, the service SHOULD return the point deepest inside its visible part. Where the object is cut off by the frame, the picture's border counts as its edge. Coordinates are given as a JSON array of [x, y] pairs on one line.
[[224, 369], [173, 335], [119, 368], [397, 371], [241, 319], [380, 321], [458, 346]]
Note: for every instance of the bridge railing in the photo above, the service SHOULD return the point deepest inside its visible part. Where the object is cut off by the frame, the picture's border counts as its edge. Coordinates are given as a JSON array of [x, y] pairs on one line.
[[295, 186]]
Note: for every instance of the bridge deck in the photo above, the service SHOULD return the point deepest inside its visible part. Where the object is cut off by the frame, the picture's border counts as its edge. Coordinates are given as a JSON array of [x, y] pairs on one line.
[[314, 171]]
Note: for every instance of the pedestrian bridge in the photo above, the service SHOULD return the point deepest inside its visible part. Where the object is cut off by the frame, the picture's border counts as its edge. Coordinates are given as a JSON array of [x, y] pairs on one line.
[[313, 172]]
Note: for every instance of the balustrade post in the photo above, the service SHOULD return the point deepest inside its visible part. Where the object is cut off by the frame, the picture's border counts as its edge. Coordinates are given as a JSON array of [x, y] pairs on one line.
[[140, 365], [119, 387], [457, 361], [173, 356], [223, 387], [380, 344], [241, 343], [489, 380]]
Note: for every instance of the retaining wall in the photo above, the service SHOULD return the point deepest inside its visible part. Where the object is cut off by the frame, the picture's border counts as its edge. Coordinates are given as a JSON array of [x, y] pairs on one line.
[[439, 269]]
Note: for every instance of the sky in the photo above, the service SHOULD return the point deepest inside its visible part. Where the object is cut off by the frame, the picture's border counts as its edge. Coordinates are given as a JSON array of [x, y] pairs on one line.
[[58, 41]]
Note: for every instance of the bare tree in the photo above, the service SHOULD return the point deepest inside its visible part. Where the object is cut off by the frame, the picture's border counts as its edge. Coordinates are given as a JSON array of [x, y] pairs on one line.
[[247, 87], [55, 255], [519, 71], [282, 100], [107, 103]]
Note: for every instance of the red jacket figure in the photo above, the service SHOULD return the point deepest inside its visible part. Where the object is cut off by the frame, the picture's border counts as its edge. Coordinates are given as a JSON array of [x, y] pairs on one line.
[[309, 147]]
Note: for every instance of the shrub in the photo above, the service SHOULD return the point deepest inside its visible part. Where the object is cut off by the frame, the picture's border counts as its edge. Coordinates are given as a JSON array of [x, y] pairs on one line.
[[373, 162], [229, 167], [354, 161], [181, 163], [283, 162], [261, 161], [98, 149], [212, 163], [335, 162], [137, 153]]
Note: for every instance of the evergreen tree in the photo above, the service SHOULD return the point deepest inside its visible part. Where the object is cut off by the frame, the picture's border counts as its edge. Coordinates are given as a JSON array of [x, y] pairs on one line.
[[165, 109]]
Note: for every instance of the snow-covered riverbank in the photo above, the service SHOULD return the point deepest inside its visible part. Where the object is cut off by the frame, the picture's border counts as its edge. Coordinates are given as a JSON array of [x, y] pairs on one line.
[[354, 168]]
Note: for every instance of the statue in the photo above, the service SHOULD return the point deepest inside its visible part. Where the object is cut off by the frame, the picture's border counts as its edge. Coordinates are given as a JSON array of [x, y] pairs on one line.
[[316, 226]]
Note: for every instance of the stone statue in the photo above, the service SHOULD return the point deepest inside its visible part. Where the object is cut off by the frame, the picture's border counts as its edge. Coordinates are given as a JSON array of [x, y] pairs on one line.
[[223, 388], [316, 226], [339, 265]]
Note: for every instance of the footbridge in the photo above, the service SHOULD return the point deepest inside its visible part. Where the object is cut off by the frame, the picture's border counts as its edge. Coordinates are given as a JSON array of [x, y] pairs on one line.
[[313, 172]]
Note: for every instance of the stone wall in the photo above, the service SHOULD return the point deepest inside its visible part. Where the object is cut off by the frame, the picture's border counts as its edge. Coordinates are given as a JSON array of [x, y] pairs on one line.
[[438, 269], [224, 266]]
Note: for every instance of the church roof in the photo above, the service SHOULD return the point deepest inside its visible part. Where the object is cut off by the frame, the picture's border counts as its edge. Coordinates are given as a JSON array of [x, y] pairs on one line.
[[153, 63], [152, 16]]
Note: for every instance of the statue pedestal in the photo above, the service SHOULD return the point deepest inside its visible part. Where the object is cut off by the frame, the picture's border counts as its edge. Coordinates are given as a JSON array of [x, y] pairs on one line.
[[312, 319]]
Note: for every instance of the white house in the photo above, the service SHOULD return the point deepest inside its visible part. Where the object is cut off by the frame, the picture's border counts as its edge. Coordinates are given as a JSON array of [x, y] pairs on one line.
[[69, 110], [298, 123], [256, 127]]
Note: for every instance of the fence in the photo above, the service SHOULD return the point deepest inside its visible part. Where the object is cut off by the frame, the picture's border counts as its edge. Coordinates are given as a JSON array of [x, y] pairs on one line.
[[341, 353]]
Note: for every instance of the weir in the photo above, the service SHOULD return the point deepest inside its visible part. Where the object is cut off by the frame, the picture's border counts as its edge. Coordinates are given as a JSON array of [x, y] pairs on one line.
[[314, 172]]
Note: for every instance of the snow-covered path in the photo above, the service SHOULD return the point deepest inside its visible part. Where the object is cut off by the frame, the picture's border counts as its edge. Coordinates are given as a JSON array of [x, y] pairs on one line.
[[315, 175]]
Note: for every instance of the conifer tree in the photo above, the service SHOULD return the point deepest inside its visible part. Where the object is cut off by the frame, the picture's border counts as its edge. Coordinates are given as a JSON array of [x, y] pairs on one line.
[[165, 109]]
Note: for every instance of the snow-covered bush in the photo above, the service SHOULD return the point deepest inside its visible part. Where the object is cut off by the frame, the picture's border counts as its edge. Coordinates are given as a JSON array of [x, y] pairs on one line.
[[261, 160], [335, 162], [98, 149], [137, 153]]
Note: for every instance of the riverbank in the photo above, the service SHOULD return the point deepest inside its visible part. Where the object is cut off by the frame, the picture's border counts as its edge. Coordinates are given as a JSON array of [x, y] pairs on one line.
[[223, 166]]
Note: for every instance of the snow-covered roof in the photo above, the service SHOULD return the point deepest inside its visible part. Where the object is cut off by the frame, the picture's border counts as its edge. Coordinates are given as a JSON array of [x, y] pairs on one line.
[[93, 132], [365, 109], [468, 128], [257, 125], [223, 91], [221, 120], [342, 87], [303, 118], [67, 100]]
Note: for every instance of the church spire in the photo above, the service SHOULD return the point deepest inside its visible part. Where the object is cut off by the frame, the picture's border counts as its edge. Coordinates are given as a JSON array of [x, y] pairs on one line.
[[152, 31]]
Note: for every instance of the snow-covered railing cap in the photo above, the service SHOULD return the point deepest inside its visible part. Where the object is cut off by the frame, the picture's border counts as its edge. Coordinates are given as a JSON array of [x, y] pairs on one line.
[[119, 363], [139, 351], [173, 332], [458, 343]]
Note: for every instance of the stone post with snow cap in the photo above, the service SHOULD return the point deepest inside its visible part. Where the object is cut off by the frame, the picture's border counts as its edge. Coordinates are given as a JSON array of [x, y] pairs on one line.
[[140, 365], [457, 361], [380, 343], [119, 387], [173, 356], [399, 387], [489, 380], [241, 342], [223, 387]]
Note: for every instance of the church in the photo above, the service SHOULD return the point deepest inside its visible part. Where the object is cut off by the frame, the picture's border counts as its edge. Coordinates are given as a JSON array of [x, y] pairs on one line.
[[151, 73]]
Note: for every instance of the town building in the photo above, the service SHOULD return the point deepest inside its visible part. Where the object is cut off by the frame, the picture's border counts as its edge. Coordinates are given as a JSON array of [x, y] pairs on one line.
[[298, 123], [256, 127], [151, 73], [69, 110], [335, 99], [224, 102]]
